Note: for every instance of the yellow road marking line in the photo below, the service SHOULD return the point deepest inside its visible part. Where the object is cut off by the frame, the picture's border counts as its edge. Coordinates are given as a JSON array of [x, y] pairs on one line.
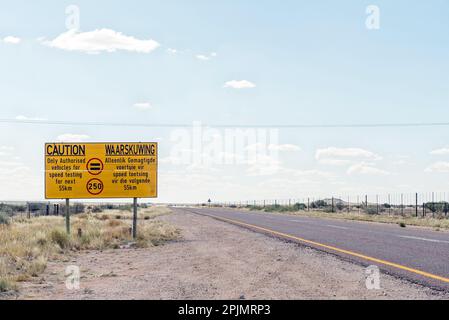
[[351, 253]]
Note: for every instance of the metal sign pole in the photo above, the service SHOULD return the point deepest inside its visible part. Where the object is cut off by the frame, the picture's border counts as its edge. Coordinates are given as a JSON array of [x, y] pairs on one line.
[[67, 215], [135, 219]]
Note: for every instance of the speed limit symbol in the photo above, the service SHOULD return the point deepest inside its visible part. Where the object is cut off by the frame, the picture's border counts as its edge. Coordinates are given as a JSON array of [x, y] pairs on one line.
[[95, 187]]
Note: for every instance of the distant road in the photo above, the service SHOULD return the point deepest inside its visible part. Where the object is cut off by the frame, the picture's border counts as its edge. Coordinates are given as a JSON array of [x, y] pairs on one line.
[[417, 254]]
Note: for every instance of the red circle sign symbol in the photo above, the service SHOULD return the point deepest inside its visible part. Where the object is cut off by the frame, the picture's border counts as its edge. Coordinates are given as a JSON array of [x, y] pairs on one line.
[[95, 187], [95, 166]]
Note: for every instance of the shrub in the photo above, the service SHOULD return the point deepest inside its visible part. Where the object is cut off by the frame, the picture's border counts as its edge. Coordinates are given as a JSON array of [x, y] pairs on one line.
[[299, 206], [318, 204], [371, 210], [97, 210], [60, 238], [114, 223], [437, 207], [4, 219], [6, 285], [402, 225]]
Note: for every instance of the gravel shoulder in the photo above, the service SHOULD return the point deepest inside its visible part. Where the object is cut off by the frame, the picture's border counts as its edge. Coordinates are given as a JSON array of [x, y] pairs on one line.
[[216, 260]]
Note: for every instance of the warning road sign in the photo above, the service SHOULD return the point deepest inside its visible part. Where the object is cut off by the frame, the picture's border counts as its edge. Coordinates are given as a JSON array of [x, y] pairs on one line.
[[95, 166], [100, 170]]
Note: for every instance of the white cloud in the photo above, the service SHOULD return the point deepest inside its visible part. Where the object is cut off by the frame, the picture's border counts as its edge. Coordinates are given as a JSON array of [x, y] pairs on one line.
[[6, 151], [69, 137], [283, 147], [202, 57], [263, 165], [239, 84], [101, 40], [344, 156], [143, 105], [25, 118], [207, 57], [365, 169], [309, 173], [336, 162], [260, 147], [438, 167], [172, 51], [440, 152], [344, 153], [11, 40]]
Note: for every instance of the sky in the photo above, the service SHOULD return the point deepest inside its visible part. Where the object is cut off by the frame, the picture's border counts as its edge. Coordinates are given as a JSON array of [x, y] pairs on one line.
[[243, 65]]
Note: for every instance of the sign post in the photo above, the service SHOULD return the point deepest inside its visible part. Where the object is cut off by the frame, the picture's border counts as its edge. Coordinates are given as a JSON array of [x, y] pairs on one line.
[[67, 215], [101, 171], [135, 219]]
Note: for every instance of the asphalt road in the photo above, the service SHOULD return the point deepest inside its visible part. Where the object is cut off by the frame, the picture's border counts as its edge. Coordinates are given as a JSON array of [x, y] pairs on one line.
[[417, 254]]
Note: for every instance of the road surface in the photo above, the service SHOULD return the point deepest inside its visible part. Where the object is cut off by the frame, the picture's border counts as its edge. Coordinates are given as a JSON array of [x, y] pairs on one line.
[[417, 254]]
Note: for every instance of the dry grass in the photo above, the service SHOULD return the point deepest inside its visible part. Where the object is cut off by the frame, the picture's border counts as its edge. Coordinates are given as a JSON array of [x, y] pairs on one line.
[[436, 223], [145, 214], [27, 245]]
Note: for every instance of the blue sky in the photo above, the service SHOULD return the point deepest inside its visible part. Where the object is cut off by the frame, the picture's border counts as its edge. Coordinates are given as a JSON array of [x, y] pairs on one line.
[[307, 62]]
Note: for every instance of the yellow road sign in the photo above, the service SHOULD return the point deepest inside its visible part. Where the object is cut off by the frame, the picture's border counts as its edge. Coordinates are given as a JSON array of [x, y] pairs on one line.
[[101, 170]]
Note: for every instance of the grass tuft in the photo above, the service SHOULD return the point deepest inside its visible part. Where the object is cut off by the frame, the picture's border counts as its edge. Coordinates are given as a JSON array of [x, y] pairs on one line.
[[60, 238]]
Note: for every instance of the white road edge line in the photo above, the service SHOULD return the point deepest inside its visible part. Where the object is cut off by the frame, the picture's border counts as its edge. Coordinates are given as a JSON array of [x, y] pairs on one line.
[[424, 239], [336, 227]]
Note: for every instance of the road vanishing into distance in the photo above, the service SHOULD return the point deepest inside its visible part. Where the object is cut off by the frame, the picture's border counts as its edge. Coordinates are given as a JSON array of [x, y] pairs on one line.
[[417, 254]]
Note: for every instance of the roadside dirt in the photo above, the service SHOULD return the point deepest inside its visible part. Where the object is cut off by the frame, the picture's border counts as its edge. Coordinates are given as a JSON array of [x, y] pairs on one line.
[[216, 260]]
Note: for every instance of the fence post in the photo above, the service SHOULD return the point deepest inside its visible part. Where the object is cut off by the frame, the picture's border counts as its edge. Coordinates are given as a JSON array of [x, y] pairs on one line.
[[333, 204], [358, 203], [134, 219], [29, 210], [67, 215], [417, 205], [377, 204], [402, 204], [308, 204], [389, 204]]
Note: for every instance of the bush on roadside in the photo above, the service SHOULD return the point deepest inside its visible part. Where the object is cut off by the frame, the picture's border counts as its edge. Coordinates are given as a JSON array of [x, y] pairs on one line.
[[97, 209], [4, 219], [60, 238], [6, 285], [371, 210]]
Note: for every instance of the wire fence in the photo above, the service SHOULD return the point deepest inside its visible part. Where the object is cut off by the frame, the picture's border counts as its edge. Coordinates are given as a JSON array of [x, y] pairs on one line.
[[426, 204], [37, 209]]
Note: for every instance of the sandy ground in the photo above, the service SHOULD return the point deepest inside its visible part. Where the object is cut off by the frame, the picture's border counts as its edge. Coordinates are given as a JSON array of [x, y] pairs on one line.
[[216, 260]]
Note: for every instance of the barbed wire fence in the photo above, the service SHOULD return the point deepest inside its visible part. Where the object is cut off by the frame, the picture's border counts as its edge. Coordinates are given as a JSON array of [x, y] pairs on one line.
[[420, 205]]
